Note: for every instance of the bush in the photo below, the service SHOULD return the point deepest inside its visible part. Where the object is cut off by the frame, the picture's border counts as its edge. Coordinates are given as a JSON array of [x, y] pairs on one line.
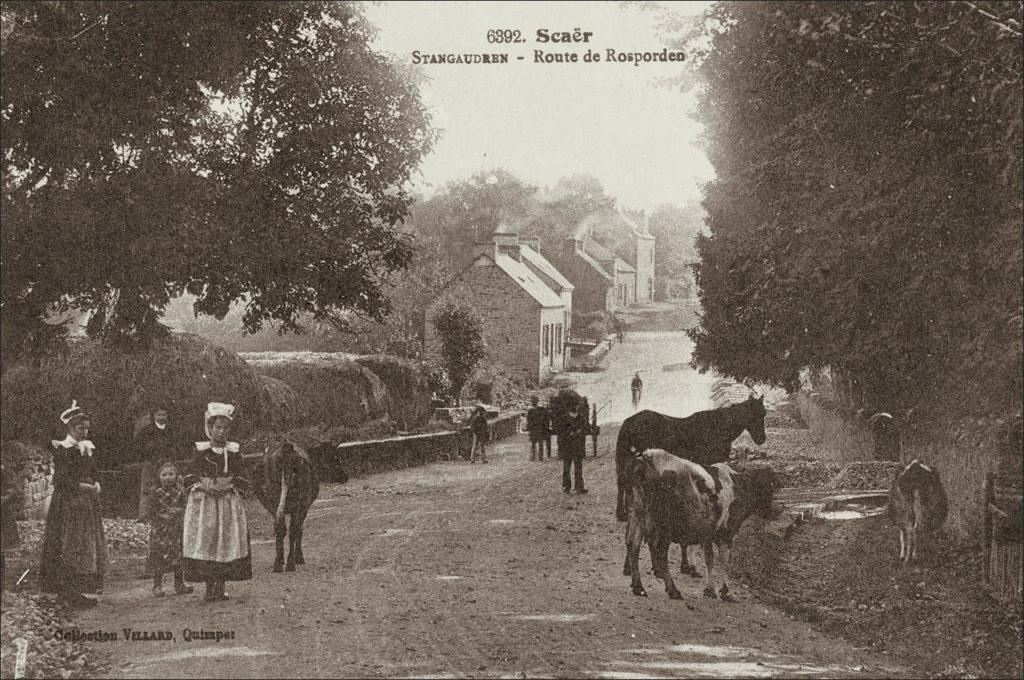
[[408, 386], [491, 384], [594, 326]]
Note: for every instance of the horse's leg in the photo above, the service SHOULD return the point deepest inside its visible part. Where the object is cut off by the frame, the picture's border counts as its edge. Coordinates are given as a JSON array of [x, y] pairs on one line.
[[709, 564], [685, 566], [659, 556], [298, 522], [634, 538], [723, 558], [279, 532], [292, 530]]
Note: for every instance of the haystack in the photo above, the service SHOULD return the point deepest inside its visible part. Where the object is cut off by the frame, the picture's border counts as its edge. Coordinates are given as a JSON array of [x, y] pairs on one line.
[[407, 385], [331, 388], [117, 386]]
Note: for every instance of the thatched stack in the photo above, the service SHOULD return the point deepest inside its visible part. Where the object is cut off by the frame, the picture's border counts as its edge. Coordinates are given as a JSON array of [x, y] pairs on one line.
[[407, 385], [330, 388], [116, 386]]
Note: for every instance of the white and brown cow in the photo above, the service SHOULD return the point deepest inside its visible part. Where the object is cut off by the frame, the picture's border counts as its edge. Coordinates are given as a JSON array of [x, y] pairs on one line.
[[917, 502], [287, 484], [678, 501]]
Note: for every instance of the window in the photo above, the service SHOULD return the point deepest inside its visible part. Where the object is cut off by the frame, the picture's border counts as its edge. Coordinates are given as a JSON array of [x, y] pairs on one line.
[[547, 339], [558, 339]]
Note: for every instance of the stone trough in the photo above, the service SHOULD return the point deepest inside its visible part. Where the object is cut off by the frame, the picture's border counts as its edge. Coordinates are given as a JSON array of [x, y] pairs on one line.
[[797, 507]]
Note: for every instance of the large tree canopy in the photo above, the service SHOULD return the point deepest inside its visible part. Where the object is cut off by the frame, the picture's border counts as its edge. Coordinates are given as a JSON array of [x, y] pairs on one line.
[[255, 150], [868, 203]]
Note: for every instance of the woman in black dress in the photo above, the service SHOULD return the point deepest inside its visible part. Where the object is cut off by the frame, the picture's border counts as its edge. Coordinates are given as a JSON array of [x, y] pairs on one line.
[[216, 535], [74, 557]]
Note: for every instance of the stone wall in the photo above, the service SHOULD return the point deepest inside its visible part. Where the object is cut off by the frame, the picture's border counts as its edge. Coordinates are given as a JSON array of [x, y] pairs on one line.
[[120, 488], [29, 472]]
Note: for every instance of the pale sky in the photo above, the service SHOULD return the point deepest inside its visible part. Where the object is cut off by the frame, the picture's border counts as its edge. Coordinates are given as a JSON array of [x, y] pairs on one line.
[[547, 121]]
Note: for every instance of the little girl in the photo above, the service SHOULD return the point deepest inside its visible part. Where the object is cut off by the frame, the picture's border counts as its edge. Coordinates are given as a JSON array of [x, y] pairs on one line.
[[167, 508]]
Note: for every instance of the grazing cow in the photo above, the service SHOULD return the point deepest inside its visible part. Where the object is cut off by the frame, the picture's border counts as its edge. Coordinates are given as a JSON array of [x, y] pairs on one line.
[[917, 502], [677, 501], [288, 484]]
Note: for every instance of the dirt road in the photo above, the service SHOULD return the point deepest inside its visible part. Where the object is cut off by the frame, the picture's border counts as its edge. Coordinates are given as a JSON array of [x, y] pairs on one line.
[[459, 570]]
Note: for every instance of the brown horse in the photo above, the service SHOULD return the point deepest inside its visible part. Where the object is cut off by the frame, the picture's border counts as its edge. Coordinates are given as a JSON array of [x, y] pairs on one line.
[[287, 484]]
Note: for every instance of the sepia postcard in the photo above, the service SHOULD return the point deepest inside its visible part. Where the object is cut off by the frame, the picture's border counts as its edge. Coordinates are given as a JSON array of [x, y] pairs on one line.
[[511, 339]]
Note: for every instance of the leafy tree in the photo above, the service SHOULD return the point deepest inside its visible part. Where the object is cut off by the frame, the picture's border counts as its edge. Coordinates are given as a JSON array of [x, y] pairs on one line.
[[676, 228], [867, 209], [462, 344], [468, 212], [558, 211], [233, 150]]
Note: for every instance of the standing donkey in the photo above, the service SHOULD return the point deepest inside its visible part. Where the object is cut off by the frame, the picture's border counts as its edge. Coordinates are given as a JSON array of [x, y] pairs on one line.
[[288, 484], [917, 502]]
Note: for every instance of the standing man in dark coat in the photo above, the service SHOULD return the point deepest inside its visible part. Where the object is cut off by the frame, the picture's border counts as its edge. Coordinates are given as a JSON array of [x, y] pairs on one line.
[[572, 444], [154, 447], [538, 425], [478, 427]]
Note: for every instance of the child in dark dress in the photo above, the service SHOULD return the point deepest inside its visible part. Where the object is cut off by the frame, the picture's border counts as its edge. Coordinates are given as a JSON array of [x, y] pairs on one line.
[[167, 509]]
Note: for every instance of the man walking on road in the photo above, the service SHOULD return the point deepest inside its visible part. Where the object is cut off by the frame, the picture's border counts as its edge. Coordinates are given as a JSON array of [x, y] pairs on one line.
[[572, 447], [637, 387]]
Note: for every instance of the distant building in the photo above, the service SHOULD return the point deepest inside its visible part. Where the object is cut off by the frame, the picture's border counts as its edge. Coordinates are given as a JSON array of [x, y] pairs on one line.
[[610, 260], [525, 304]]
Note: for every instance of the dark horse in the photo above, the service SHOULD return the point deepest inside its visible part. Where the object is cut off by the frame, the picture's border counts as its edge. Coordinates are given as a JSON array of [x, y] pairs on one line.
[[287, 484], [705, 438]]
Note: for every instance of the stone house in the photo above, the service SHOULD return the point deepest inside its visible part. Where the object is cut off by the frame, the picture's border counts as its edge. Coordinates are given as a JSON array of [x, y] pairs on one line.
[[622, 243], [525, 304]]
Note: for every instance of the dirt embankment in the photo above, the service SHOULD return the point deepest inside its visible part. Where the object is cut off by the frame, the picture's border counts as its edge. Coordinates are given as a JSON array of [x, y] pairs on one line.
[[934, 617]]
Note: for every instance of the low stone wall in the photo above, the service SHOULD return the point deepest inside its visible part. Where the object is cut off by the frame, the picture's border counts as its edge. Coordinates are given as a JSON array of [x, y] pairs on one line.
[[29, 473], [120, 488]]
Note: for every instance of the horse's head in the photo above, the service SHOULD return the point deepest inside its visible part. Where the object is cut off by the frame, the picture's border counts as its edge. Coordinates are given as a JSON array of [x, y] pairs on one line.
[[755, 419]]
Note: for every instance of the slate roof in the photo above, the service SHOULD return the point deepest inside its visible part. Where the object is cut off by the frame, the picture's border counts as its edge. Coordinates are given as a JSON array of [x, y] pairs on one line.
[[596, 250], [541, 263], [528, 281], [594, 264]]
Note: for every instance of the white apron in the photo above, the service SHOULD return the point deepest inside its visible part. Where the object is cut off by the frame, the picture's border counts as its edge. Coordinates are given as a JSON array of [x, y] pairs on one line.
[[215, 527]]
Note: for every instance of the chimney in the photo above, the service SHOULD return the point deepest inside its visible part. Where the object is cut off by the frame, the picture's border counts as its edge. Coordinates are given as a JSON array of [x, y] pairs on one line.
[[506, 242], [532, 241], [483, 248]]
